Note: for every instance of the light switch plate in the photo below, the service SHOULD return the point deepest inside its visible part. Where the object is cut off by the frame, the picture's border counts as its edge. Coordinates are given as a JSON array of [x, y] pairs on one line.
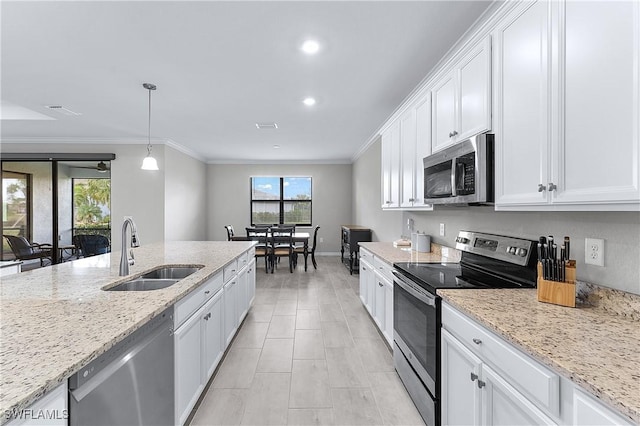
[[442, 229]]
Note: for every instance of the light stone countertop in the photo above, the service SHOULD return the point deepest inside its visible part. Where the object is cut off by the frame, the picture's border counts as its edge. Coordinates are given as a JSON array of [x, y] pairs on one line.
[[391, 254], [55, 320], [593, 347]]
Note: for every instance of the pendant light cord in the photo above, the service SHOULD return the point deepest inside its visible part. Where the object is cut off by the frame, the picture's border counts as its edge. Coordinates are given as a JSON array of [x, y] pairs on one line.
[[149, 129]]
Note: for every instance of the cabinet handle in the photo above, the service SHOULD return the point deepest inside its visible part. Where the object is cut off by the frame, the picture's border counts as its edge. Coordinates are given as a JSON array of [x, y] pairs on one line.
[[206, 317], [380, 284], [388, 202], [481, 384], [452, 134], [541, 187], [552, 187], [411, 200], [477, 341], [207, 292], [474, 377], [364, 269]]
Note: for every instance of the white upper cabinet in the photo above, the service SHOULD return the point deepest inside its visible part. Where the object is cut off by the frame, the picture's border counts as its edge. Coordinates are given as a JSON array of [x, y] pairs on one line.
[[521, 101], [462, 98], [391, 167], [404, 144], [567, 107], [598, 125]]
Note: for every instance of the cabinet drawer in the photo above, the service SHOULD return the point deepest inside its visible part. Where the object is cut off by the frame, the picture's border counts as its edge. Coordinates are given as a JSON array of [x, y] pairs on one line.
[[243, 260], [366, 256], [383, 268], [523, 372], [188, 305], [230, 270]]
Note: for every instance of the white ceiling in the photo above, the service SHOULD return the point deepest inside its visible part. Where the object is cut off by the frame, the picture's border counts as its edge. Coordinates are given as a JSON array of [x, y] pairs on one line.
[[220, 67]]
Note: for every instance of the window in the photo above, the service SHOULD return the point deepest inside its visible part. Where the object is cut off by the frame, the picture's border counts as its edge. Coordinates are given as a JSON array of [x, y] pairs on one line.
[[281, 200], [92, 206], [16, 208]]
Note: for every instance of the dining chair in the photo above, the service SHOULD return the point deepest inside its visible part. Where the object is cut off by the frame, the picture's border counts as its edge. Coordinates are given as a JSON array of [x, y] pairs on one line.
[[281, 246], [24, 250], [229, 229], [310, 250], [263, 248]]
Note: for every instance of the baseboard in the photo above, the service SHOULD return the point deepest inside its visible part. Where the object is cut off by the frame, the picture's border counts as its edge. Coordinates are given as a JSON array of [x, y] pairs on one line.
[[327, 253]]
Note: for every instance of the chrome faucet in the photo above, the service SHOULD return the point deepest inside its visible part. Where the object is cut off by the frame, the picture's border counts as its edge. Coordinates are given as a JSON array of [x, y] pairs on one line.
[[125, 261]]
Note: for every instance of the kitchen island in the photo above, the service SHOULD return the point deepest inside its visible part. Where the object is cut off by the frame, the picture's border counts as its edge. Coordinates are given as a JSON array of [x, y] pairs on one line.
[[57, 319]]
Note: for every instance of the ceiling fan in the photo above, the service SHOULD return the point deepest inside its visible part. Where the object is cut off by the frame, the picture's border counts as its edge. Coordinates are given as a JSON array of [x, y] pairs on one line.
[[101, 167]]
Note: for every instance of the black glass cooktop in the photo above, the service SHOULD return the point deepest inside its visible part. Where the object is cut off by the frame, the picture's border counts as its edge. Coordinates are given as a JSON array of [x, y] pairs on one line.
[[432, 276]]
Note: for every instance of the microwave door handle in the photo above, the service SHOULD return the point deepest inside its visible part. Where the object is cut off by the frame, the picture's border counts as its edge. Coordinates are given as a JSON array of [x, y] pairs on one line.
[[454, 192]]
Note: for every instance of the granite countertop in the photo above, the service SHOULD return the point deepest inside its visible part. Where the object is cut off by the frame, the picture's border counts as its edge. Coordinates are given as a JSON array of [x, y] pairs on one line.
[[391, 254], [55, 320], [593, 346]]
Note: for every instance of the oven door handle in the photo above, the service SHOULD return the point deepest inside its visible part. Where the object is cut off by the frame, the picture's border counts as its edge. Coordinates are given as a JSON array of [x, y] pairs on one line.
[[454, 191], [408, 287]]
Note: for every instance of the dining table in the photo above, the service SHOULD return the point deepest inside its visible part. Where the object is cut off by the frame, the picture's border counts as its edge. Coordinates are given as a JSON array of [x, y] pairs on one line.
[[296, 237]]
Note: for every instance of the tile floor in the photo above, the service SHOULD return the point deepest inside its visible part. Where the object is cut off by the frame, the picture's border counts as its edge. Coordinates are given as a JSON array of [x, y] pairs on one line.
[[307, 354]]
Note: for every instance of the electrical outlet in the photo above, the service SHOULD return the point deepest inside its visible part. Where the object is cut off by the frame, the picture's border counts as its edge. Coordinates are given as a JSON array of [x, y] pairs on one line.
[[594, 251], [321, 240], [442, 229]]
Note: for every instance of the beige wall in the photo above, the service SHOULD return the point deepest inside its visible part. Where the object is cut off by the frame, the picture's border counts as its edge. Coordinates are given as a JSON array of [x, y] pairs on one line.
[[620, 230], [228, 195], [185, 197], [385, 225]]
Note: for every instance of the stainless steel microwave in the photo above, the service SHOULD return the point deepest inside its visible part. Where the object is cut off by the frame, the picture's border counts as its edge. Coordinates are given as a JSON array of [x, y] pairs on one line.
[[461, 174]]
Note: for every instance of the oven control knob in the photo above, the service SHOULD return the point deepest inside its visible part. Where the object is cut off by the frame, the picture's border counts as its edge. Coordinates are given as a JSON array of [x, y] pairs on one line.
[[522, 252], [462, 240], [508, 249]]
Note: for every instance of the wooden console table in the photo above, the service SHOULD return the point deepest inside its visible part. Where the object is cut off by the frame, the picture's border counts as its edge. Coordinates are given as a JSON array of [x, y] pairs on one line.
[[350, 236]]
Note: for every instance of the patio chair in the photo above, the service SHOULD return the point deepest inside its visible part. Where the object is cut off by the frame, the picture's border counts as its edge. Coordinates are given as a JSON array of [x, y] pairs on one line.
[[24, 250], [92, 245]]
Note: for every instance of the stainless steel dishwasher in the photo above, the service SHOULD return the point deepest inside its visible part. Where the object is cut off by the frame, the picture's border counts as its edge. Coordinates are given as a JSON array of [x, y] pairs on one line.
[[132, 383]]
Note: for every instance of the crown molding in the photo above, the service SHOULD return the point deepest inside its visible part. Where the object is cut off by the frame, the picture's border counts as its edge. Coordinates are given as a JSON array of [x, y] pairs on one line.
[[295, 162]]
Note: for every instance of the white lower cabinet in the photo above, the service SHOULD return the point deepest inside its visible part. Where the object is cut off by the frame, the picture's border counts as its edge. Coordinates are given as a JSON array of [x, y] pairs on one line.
[[50, 410], [205, 322], [376, 292], [587, 411], [487, 381], [230, 310]]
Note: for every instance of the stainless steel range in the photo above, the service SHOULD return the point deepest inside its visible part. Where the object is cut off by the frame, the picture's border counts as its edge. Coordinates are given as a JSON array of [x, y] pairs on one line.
[[488, 261]]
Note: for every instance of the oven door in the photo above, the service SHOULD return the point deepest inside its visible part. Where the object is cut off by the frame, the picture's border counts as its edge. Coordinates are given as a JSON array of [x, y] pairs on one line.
[[416, 325]]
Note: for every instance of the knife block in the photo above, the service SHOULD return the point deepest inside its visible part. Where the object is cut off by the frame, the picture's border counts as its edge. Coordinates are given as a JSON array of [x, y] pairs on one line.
[[556, 292]]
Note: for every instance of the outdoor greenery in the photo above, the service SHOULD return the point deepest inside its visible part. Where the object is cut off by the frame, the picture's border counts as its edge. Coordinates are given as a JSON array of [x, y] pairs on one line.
[[91, 203]]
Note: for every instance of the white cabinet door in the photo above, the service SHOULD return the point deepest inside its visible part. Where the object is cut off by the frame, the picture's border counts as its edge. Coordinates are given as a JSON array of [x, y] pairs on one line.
[[503, 405], [242, 294], [251, 282], [597, 152], [213, 334], [230, 310], [423, 147], [589, 412], [444, 111], [52, 407], [366, 285], [388, 312], [521, 72], [408, 158], [188, 365], [379, 303], [475, 91], [460, 393], [391, 167]]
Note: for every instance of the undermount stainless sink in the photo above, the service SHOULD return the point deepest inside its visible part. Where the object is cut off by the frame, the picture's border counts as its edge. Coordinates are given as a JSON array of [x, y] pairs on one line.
[[156, 279]]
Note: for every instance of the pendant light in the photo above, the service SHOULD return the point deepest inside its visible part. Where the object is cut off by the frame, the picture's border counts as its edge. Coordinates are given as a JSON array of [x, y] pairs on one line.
[[149, 163]]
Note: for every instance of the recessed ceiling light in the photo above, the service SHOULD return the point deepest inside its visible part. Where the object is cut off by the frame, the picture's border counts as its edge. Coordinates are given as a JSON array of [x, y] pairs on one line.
[[276, 147], [63, 110], [309, 101], [310, 47]]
